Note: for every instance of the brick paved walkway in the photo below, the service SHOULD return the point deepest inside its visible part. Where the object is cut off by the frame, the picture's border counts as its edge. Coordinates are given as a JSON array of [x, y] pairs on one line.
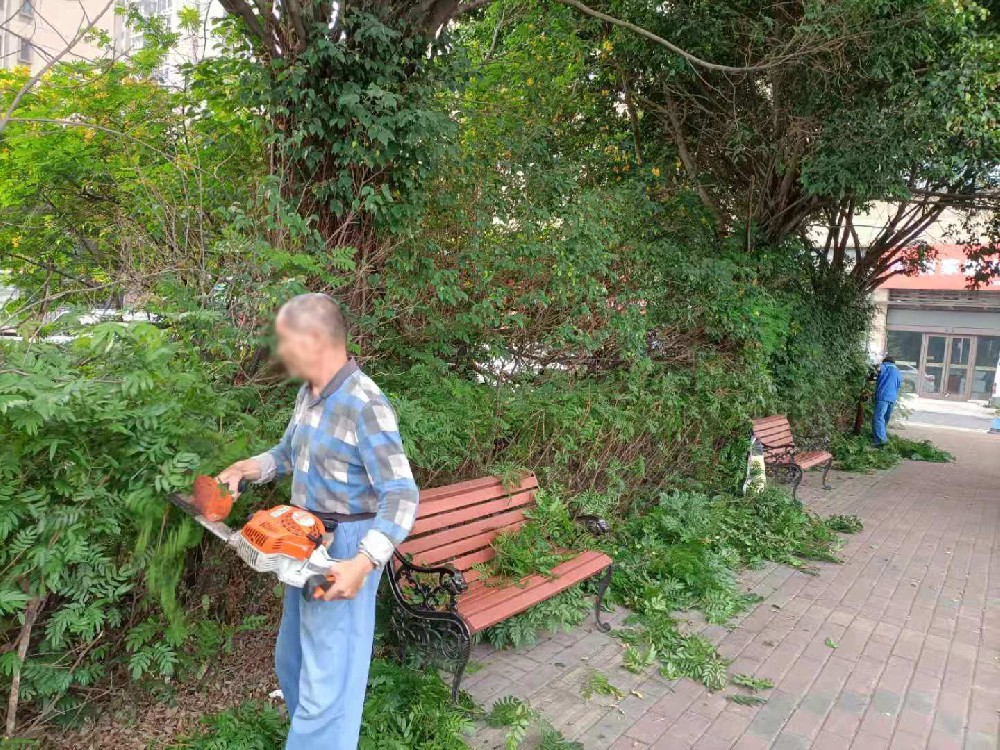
[[914, 609]]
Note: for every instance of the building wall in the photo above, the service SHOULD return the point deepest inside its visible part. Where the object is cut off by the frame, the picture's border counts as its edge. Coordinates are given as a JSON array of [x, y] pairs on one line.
[[192, 45], [34, 31], [877, 326]]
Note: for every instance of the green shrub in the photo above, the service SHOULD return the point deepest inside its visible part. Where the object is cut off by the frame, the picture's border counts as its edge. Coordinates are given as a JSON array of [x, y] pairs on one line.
[[407, 708], [404, 709], [96, 433]]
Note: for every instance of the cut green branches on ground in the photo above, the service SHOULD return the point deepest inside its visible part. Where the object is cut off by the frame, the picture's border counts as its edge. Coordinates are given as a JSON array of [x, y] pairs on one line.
[[747, 700], [597, 683], [752, 683], [844, 524], [520, 718], [858, 453]]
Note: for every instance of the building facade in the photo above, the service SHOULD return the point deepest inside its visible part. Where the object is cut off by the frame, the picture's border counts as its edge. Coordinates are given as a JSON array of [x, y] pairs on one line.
[[32, 32], [195, 42], [945, 337]]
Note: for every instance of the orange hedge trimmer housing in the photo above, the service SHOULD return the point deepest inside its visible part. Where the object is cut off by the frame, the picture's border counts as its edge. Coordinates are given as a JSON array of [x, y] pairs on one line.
[[287, 541]]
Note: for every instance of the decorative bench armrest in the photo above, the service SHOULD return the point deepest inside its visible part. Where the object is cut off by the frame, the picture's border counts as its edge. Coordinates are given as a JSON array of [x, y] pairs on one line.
[[594, 524], [412, 589]]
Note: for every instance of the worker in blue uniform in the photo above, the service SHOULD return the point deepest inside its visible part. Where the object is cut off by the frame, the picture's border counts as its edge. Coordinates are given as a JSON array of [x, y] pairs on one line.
[[886, 392]]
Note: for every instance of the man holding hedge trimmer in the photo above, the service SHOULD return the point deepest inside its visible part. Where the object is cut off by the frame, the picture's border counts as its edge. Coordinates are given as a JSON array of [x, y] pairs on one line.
[[343, 450]]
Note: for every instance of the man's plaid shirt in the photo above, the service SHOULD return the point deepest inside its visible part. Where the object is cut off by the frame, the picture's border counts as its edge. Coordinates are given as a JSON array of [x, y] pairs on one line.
[[345, 455]]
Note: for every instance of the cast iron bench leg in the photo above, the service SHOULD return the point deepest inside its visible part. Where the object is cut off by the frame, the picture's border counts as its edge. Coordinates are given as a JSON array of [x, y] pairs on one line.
[[602, 589], [461, 664], [796, 481], [826, 470]]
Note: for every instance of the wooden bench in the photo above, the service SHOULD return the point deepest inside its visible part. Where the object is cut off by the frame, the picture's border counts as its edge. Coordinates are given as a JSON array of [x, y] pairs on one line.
[[781, 456], [442, 600]]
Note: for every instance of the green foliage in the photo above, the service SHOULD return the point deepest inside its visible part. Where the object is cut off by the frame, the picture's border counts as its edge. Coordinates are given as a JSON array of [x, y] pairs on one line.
[[361, 111], [564, 611], [683, 553], [752, 683], [920, 450], [899, 94], [598, 683], [857, 453], [252, 726], [743, 699], [519, 717], [407, 708], [404, 709], [96, 432], [549, 537], [844, 524], [514, 714]]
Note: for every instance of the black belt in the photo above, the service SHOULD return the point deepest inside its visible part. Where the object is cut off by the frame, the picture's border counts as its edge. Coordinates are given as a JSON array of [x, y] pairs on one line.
[[332, 520]]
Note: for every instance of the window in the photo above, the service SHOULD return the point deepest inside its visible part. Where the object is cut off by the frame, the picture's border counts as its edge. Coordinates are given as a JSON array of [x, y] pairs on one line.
[[25, 52], [27, 9]]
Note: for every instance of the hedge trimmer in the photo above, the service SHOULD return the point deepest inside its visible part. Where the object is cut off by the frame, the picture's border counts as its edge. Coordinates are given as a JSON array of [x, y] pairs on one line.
[[283, 540]]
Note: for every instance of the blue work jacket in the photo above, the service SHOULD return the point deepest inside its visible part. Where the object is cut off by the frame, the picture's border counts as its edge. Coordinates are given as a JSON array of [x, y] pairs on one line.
[[889, 382]]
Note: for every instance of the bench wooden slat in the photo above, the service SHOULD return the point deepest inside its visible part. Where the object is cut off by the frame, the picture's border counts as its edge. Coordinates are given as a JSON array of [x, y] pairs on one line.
[[442, 554], [485, 594], [481, 588], [513, 600], [465, 562], [812, 458], [775, 434], [448, 490], [468, 513], [433, 539], [433, 502]]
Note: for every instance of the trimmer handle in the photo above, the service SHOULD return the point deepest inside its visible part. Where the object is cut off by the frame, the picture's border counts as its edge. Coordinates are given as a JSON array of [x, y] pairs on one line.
[[315, 587]]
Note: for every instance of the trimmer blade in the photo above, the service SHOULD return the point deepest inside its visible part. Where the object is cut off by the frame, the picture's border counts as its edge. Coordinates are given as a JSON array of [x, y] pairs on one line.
[[186, 504]]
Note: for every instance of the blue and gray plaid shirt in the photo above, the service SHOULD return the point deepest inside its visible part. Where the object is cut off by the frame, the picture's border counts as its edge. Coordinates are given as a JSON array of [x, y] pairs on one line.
[[345, 454]]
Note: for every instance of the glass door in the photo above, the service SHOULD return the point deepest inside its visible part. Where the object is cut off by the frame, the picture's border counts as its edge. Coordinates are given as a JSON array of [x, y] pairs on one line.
[[935, 357], [957, 380], [985, 368]]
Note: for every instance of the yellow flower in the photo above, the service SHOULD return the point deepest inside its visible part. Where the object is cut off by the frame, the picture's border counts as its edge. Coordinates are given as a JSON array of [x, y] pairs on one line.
[[531, 81], [607, 46], [655, 171], [15, 241], [88, 135]]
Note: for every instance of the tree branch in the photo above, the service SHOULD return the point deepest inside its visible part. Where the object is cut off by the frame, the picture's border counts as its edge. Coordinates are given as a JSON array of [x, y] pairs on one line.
[[23, 641], [243, 11], [587, 10]]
